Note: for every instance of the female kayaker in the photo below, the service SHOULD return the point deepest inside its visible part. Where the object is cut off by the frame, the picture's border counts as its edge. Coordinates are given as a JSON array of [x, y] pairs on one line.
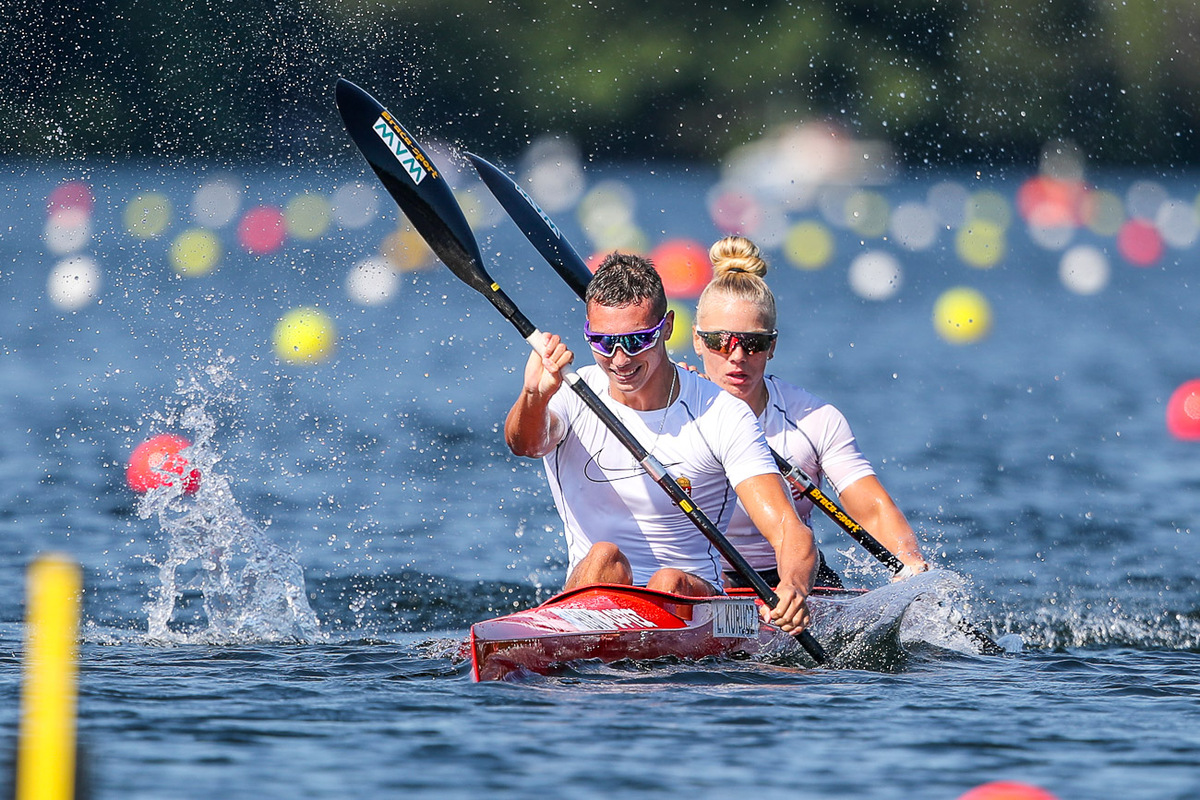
[[735, 336]]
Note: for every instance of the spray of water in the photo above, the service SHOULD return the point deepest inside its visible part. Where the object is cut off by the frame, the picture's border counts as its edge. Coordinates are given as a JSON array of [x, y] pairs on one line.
[[249, 589]]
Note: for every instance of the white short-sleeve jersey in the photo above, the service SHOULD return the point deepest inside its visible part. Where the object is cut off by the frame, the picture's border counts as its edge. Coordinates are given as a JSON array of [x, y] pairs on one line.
[[707, 439], [814, 436]]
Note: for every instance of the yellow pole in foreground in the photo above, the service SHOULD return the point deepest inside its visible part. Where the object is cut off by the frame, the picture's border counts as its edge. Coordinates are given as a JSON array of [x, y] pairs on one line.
[[46, 747]]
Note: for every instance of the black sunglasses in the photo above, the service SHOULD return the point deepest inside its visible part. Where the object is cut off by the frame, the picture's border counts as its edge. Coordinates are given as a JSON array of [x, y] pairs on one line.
[[723, 342]]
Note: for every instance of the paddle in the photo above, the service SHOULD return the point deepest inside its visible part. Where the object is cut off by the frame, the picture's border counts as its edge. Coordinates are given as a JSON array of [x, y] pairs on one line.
[[426, 199], [549, 241]]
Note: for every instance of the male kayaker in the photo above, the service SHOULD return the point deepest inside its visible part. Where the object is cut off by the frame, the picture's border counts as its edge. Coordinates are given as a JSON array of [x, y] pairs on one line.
[[620, 526]]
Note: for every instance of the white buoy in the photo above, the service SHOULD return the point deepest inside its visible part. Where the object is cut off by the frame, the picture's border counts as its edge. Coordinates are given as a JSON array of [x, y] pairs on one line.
[[372, 281], [74, 283]]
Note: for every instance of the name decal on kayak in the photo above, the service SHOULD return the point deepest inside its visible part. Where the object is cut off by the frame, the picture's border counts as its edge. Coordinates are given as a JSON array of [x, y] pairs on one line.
[[736, 617], [403, 148], [602, 618]]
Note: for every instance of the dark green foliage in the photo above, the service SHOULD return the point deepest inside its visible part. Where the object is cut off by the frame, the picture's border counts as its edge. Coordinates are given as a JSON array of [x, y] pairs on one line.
[[974, 82]]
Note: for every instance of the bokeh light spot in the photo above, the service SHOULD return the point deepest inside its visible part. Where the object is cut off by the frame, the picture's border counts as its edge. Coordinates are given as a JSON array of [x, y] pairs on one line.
[[606, 214], [980, 243], [216, 203], [195, 252], [148, 215], [875, 275], [304, 336], [683, 266], [307, 216], [1044, 201], [734, 210], [990, 206], [808, 245], [1183, 411], [962, 315], [67, 230], [1144, 197], [355, 205], [262, 230], [1178, 224], [554, 169], [406, 251], [867, 213], [74, 283], [1084, 269], [681, 335], [372, 281], [914, 226], [1139, 242], [1102, 212], [70, 195], [158, 461]]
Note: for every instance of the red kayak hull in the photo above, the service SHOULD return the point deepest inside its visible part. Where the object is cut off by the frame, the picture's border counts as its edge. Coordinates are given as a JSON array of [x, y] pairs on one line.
[[614, 622]]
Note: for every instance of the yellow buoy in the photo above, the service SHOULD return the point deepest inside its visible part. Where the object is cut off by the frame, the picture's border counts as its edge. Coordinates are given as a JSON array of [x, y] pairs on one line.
[[46, 745], [148, 215], [307, 216], [681, 336], [980, 243], [962, 315], [195, 252], [808, 245], [304, 336]]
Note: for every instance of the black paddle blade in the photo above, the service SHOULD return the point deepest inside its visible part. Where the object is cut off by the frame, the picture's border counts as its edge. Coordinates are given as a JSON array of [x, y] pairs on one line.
[[537, 226], [414, 182]]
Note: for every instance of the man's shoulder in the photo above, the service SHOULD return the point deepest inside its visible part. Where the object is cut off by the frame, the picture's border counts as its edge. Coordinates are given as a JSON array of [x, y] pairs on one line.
[[707, 399], [702, 390]]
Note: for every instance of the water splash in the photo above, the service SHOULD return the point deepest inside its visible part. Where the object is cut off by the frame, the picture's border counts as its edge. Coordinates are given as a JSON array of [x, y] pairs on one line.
[[248, 588], [879, 630]]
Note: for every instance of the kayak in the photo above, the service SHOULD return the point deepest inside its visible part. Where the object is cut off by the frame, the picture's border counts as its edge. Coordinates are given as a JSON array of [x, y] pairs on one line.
[[609, 622]]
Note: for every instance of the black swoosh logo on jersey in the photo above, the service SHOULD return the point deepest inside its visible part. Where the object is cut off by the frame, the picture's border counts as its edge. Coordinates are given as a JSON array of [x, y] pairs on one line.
[[596, 472]]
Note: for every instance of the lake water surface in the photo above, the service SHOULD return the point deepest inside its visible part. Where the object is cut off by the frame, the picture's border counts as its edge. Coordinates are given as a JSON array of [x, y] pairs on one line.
[[1036, 463]]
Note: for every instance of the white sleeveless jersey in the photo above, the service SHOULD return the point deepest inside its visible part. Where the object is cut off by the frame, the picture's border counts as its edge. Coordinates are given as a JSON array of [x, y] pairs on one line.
[[814, 436], [707, 439]]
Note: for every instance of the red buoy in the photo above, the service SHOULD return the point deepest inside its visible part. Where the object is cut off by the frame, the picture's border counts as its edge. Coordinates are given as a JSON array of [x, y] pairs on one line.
[[1183, 411], [683, 266], [155, 460], [1007, 790]]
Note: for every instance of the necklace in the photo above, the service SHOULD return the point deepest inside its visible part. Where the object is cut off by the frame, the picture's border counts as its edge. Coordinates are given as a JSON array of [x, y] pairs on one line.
[[662, 423]]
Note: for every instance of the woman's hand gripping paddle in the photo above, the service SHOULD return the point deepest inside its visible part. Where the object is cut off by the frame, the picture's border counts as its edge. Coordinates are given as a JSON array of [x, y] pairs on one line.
[[422, 193]]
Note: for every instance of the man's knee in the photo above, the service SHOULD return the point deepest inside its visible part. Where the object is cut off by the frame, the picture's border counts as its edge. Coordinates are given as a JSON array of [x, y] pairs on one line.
[[605, 553], [679, 582], [604, 563]]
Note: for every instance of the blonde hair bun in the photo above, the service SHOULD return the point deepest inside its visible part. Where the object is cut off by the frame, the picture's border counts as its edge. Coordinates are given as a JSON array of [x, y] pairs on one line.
[[735, 254]]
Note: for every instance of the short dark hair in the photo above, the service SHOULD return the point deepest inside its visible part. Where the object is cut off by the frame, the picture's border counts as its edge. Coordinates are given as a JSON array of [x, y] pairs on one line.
[[625, 279]]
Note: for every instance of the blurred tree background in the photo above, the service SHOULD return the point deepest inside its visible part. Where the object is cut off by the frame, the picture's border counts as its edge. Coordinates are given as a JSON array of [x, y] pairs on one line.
[[969, 82]]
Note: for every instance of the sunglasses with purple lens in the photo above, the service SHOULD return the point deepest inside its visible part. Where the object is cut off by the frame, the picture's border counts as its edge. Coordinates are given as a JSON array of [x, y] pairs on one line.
[[633, 343]]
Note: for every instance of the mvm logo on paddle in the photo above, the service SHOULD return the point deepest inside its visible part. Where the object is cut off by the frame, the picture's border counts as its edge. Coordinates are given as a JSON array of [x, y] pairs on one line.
[[403, 148]]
